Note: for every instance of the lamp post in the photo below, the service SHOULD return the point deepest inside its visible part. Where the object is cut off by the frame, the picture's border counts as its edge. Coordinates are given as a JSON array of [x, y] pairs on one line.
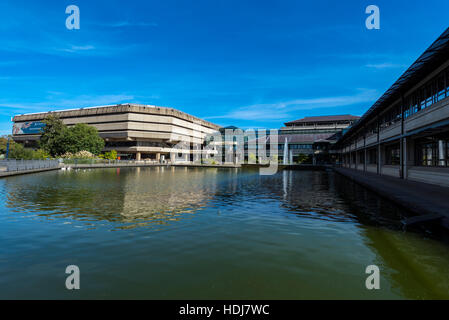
[[7, 148]]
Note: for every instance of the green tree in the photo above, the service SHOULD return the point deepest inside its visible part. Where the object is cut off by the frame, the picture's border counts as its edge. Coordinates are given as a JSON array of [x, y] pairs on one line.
[[52, 139], [18, 151], [58, 139], [82, 137], [112, 155], [41, 154]]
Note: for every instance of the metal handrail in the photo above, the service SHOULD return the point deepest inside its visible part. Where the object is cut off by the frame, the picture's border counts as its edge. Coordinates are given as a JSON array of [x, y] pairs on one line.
[[12, 165]]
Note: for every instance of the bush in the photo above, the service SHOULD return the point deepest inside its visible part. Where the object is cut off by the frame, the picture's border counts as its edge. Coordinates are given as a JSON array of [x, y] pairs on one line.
[[79, 155], [109, 155], [40, 154]]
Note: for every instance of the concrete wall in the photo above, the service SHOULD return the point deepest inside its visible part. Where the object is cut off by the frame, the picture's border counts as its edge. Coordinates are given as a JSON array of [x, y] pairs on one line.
[[439, 176], [392, 171], [428, 116]]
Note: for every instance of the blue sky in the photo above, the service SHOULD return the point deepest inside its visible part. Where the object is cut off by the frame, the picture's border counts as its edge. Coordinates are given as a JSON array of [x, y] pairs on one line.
[[244, 63]]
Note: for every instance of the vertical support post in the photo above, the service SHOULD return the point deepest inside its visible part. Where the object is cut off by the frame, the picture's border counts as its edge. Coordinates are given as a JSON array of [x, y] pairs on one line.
[[402, 156], [379, 168], [405, 159]]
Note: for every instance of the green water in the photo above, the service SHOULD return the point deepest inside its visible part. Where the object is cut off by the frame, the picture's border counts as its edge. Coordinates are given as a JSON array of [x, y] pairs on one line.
[[178, 233]]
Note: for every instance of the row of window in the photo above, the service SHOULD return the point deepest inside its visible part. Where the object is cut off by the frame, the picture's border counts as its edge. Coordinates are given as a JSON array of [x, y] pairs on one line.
[[310, 131], [435, 90], [127, 144], [296, 146]]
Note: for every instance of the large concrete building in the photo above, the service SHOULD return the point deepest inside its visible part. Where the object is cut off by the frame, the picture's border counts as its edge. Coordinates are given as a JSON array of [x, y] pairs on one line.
[[405, 133], [136, 131]]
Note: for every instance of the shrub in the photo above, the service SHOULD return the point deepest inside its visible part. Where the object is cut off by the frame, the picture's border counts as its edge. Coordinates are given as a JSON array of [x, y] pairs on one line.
[[112, 155]]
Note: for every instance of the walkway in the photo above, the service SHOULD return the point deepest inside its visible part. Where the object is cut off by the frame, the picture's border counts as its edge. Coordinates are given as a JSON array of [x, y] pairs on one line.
[[429, 202]]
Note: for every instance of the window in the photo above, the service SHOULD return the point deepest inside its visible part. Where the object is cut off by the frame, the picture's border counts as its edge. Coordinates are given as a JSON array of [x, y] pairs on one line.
[[392, 155], [422, 99], [433, 151], [441, 88], [447, 82], [435, 90]]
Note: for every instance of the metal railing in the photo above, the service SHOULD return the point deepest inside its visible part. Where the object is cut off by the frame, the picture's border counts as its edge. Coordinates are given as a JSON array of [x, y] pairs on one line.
[[26, 165], [107, 162]]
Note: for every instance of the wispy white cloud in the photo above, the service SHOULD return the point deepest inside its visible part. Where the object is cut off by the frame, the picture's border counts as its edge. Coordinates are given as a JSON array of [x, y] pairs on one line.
[[283, 110], [386, 65], [73, 48], [122, 24]]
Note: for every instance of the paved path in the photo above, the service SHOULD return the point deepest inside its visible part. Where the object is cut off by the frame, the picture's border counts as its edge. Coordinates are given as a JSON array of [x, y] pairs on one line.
[[428, 201]]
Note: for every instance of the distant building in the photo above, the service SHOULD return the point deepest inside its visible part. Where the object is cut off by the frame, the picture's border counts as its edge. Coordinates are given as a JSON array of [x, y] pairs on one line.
[[310, 138], [138, 132]]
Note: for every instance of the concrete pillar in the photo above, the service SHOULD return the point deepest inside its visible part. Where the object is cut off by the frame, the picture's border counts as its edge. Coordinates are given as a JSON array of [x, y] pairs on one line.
[[365, 164], [158, 157], [401, 158], [404, 158], [138, 156], [379, 159]]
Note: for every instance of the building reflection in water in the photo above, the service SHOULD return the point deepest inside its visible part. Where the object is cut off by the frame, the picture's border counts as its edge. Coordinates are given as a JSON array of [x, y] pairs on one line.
[[126, 197]]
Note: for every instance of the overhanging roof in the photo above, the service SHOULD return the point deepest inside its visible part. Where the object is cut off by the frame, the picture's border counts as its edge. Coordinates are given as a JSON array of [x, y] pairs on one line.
[[346, 117], [432, 58]]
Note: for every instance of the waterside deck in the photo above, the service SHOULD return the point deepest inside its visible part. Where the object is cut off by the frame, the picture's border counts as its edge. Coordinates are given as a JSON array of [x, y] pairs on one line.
[[429, 202]]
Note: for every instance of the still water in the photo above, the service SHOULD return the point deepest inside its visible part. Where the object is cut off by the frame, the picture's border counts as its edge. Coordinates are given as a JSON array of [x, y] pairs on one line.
[[178, 233]]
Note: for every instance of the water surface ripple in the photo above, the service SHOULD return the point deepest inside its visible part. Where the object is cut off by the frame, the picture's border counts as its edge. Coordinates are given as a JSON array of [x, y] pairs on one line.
[[185, 233]]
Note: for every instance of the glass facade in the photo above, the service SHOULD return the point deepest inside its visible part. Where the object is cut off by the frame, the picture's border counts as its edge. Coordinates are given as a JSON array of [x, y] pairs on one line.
[[433, 151], [296, 146]]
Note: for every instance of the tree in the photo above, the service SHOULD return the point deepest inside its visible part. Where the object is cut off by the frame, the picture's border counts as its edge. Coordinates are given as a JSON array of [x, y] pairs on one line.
[[18, 151], [58, 139], [52, 139], [82, 137]]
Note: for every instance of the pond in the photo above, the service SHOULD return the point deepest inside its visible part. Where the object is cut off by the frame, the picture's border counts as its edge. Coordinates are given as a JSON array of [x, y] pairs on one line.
[[197, 233]]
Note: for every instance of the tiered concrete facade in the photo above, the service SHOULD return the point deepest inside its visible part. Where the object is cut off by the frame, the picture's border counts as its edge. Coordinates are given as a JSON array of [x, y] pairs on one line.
[[406, 134], [135, 131]]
